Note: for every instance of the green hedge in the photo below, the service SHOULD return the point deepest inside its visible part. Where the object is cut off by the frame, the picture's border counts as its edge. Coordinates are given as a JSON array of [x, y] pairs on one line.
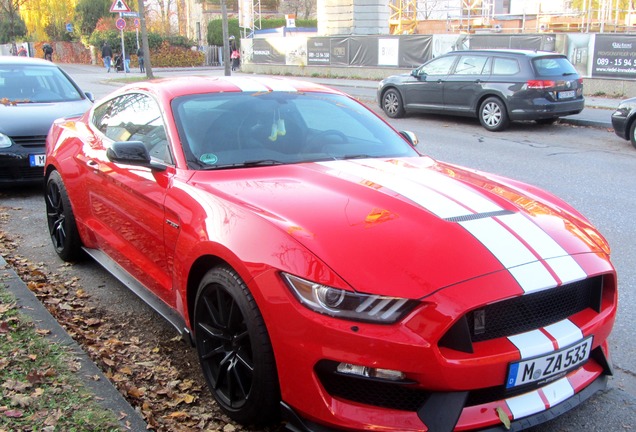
[[215, 27]]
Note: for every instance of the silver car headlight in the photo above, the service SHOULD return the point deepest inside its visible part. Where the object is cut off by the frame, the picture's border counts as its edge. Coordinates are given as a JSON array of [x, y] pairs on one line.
[[5, 141], [350, 305]]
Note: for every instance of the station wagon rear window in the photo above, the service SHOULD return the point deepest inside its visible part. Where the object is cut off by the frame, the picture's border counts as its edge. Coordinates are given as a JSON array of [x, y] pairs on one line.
[[553, 66]]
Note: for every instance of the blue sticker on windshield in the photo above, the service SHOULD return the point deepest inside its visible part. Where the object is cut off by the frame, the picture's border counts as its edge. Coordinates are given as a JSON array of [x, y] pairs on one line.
[[209, 158]]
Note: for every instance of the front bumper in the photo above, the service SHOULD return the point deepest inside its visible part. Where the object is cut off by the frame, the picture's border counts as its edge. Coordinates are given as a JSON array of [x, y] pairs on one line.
[[321, 400], [620, 124], [16, 168], [297, 424]]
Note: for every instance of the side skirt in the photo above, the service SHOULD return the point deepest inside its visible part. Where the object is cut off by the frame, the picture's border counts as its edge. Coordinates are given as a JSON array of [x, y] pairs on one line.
[[142, 292]]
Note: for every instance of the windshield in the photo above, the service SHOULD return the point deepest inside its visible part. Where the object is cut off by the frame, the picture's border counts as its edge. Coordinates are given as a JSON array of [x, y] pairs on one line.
[[33, 83], [238, 129]]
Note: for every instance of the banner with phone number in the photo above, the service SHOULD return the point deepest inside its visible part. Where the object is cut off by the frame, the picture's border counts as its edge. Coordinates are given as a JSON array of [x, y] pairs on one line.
[[614, 56]]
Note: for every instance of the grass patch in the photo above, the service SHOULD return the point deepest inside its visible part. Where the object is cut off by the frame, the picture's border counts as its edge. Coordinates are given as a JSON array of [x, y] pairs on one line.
[[40, 391]]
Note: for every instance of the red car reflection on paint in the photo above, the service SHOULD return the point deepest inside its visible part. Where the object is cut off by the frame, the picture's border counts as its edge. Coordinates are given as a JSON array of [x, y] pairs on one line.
[[324, 268]]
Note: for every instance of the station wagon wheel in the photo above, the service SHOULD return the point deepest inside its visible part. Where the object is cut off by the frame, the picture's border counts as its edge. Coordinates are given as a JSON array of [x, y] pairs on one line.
[[392, 103], [234, 349], [632, 133], [493, 115], [61, 220]]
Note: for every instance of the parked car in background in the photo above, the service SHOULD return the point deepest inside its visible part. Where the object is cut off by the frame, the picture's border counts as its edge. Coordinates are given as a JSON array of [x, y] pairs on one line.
[[496, 86], [624, 120], [33, 93], [327, 270]]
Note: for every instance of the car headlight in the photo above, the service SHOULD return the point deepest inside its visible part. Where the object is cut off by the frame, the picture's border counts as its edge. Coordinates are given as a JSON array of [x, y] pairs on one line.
[[343, 304], [5, 141]]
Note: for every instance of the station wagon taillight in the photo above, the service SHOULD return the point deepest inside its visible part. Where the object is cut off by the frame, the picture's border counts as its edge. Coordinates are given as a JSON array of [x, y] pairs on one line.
[[541, 84]]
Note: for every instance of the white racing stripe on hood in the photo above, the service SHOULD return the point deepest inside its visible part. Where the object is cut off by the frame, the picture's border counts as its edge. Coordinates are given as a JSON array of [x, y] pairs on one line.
[[532, 402], [429, 199], [513, 239]]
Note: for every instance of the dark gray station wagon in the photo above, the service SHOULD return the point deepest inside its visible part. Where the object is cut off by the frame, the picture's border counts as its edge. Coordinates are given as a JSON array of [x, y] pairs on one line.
[[497, 86]]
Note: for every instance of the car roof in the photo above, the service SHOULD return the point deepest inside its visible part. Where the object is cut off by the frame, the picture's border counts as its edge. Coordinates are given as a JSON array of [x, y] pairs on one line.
[[18, 60], [171, 88], [516, 52]]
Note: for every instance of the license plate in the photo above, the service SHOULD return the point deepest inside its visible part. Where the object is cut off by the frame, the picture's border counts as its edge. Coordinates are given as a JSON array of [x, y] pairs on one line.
[[566, 94], [550, 366], [37, 160]]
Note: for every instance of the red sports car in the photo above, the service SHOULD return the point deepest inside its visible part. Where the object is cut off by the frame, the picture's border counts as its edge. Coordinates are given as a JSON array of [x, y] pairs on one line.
[[327, 270]]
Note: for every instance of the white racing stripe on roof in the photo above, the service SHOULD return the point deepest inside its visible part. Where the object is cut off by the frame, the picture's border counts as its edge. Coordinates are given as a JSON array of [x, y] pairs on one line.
[[278, 85], [525, 404], [565, 333], [532, 343], [249, 85], [429, 199], [441, 183]]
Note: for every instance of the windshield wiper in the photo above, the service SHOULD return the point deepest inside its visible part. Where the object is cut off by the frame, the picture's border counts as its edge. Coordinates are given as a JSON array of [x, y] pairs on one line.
[[356, 156], [569, 73], [260, 162]]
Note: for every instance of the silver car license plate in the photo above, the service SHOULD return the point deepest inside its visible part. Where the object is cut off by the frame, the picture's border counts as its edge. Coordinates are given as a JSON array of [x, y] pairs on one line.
[[569, 94]]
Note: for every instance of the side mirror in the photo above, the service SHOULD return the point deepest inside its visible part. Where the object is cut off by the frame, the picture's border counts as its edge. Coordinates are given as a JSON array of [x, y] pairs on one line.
[[90, 96], [410, 137], [132, 153], [418, 73]]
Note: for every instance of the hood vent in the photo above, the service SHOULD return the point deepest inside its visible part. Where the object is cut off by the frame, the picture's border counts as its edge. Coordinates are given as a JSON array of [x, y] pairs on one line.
[[474, 216]]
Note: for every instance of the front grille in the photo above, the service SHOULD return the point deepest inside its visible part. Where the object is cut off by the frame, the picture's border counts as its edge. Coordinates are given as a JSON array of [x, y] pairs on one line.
[[30, 141], [21, 173], [366, 391], [532, 311], [524, 313]]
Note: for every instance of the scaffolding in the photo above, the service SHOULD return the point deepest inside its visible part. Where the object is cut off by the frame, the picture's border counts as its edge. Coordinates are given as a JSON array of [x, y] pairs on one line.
[[403, 18], [249, 16], [475, 16]]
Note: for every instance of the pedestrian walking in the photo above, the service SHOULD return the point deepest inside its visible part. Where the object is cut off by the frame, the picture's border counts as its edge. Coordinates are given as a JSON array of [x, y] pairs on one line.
[[107, 55], [48, 52], [236, 60], [140, 60], [127, 62]]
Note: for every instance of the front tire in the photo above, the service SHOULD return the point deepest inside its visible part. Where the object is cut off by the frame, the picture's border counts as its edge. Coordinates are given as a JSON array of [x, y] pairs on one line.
[[392, 103], [632, 133], [493, 115], [61, 220], [234, 349]]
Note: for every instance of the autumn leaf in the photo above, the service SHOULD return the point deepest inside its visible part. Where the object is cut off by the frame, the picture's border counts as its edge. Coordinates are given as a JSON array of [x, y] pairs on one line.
[[21, 400], [13, 413]]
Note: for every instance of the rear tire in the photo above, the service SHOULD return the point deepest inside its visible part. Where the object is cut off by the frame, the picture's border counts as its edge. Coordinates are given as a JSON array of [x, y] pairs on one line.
[[493, 115], [234, 349], [61, 220], [392, 104]]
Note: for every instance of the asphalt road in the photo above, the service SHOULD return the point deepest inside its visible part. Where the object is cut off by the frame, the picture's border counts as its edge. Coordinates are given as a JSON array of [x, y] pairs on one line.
[[588, 167]]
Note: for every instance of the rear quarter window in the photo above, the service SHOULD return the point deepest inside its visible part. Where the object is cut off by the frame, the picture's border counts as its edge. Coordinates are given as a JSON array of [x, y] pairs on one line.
[[505, 66], [553, 66]]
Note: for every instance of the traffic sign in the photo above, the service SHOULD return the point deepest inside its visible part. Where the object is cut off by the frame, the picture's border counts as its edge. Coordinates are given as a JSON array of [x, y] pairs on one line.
[[119, 6], [136, 22], [120, 23], [130, 14], [69, 27]]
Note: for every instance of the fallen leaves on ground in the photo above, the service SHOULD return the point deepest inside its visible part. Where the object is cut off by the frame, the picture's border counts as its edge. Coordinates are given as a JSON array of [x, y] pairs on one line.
[[168, 397]]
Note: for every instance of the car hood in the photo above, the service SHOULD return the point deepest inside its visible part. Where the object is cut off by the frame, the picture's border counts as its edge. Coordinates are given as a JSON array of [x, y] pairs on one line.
[[32, 119], [412, 226]]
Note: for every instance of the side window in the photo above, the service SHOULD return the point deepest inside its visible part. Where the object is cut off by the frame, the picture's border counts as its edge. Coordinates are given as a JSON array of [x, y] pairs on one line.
[[134, 117], [504, 66], [470, 65], [439, 66]]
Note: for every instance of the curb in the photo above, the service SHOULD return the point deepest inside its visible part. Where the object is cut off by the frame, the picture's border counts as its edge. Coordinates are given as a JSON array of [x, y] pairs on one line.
[[104, 391], [584, 122]]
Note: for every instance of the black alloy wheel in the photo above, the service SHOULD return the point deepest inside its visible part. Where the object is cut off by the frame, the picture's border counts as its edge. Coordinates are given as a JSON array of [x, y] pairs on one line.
[[234, 349], [632, 133], [61, 220]]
